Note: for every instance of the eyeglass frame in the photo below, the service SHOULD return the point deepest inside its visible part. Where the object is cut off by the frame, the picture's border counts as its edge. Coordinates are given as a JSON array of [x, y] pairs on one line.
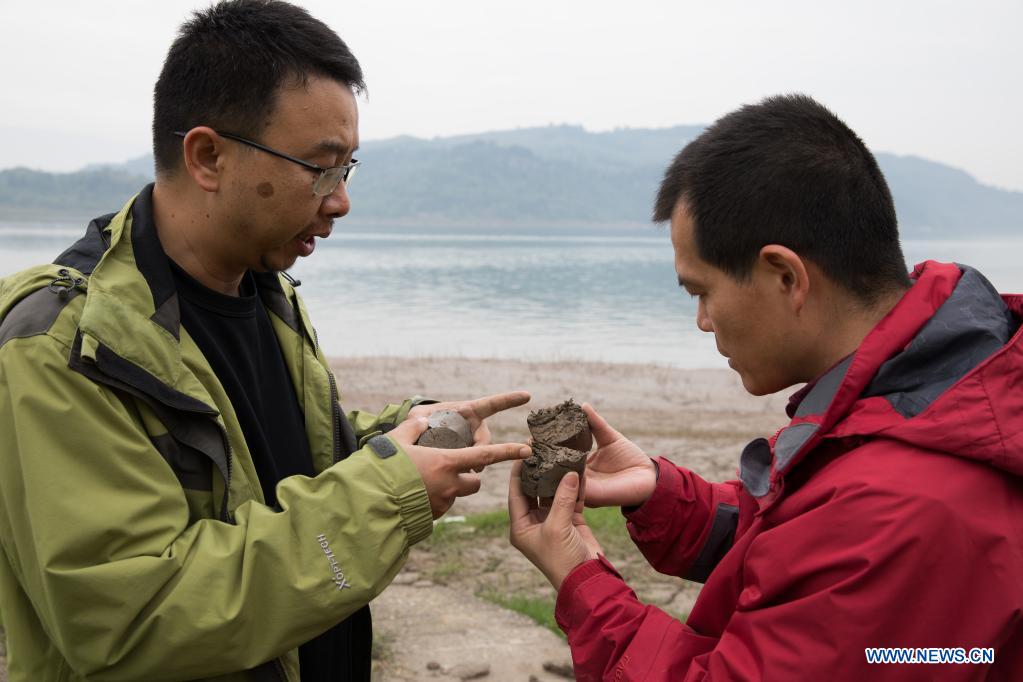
[[345, 177]]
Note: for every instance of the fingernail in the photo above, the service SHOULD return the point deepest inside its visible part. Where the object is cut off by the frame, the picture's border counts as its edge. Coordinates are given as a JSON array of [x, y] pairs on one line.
[[571, 480]]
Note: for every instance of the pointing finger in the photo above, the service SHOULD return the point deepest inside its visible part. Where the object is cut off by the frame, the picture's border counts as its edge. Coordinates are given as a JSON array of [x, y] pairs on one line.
[[479, 456], [492, 404]]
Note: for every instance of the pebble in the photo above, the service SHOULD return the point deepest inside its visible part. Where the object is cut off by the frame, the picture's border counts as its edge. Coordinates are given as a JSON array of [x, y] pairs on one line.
[[433, 665], [560, 669], [469, 671], [406, 578]]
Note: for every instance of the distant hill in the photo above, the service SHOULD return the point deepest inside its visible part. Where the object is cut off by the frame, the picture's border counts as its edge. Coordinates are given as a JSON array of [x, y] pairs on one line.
[[555, 175], [37, 195]]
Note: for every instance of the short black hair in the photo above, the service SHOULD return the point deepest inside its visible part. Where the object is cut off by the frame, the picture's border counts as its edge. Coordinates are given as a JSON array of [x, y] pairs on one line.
[[788, 171], [228, 62]]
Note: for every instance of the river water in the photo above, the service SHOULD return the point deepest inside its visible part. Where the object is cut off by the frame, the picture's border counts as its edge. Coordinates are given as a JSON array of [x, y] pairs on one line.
[[523, 294]]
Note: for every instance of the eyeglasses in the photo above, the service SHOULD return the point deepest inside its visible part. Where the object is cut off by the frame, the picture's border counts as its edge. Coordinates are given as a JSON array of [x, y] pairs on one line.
[[324, 185]]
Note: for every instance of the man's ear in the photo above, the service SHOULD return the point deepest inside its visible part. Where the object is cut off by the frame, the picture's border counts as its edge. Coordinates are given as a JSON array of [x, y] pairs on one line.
[[201, 149], [787, 272]]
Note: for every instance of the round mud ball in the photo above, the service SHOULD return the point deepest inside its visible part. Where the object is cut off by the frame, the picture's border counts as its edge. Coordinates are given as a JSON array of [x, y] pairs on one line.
[[563, 425], [446, 429]]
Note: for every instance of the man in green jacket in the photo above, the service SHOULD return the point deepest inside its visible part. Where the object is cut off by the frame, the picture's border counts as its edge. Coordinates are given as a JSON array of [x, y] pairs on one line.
[[181, 495]]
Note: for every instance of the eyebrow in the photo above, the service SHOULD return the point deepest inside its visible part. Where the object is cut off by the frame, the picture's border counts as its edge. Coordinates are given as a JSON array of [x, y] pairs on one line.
[[333, 146]]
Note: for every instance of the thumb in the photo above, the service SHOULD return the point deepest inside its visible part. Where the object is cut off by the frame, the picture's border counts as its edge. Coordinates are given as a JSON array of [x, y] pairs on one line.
[[603, 432], [409, 431], [564, 503]]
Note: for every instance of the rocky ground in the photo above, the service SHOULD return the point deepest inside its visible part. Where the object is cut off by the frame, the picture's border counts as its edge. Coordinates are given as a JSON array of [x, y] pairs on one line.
[[440, 620]]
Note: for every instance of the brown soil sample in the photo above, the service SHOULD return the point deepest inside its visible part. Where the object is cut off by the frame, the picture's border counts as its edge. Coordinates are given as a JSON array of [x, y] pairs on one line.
[[446, 429], [543, 470], [561, 439], [563, 425]]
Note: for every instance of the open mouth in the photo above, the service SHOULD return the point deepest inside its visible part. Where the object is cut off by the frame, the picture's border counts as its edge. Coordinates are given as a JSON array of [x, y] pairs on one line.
[[306, 245]]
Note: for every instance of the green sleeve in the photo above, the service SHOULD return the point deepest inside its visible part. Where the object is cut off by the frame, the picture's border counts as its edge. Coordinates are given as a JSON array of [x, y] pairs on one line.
[[366, 424], [95, 530]]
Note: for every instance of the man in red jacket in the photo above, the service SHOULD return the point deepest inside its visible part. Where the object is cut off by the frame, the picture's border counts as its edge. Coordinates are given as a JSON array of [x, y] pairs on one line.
[[887, 513]]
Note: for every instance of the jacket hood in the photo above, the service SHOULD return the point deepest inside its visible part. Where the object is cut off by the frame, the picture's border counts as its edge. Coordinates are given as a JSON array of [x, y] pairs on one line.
[[942, 371]]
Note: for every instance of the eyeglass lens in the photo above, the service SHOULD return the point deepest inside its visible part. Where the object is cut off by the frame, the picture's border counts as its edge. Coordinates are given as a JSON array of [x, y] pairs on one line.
[[331, 178]]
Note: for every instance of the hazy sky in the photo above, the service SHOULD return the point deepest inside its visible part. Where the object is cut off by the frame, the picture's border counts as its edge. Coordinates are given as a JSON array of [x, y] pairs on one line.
[[938, 79]]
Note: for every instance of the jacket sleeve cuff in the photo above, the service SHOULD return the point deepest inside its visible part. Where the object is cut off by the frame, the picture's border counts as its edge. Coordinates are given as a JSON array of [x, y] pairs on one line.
[[575, 586], [661, 504], [367, 425], [416, 516], [409, 489], [407, 406]]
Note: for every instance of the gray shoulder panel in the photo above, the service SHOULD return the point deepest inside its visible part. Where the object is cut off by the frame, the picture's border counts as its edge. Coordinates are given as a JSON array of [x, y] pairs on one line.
[[970, 326], [34, 314]]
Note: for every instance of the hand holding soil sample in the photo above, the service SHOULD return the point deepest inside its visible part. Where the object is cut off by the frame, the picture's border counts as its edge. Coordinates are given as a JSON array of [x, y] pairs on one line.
[[561, 440], [446, 429]]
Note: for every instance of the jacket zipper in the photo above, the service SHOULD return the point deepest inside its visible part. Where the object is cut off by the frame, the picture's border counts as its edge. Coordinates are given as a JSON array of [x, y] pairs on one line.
[[336, 412], [334, 401], [228, 516]]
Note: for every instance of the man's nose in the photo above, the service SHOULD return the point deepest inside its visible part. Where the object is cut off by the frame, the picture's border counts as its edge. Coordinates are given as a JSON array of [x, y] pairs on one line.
[[337, 203], [703, 322]]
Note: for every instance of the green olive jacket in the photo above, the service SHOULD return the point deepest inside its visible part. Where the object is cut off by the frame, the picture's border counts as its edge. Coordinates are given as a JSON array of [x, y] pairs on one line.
[[135, 542]]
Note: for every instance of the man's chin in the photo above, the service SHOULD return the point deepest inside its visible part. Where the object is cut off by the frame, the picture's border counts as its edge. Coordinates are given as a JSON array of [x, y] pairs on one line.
[[275, 263], [761, 387], [750, 383]]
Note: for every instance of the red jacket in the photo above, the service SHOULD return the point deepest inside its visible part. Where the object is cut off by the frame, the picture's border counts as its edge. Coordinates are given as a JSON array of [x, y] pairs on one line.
[[888, 513]]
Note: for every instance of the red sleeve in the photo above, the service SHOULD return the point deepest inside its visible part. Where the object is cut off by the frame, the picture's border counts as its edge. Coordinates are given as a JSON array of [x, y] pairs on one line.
[[861, 567], [672, 529], [612, 635]]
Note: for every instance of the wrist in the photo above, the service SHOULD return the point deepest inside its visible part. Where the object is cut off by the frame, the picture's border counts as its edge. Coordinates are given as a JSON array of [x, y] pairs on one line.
[[558, 574], [651, 487], [642, 498], [656, 469]]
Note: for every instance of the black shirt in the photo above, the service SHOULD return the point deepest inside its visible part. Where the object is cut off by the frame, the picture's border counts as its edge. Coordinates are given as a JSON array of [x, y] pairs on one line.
[[236, 337]]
